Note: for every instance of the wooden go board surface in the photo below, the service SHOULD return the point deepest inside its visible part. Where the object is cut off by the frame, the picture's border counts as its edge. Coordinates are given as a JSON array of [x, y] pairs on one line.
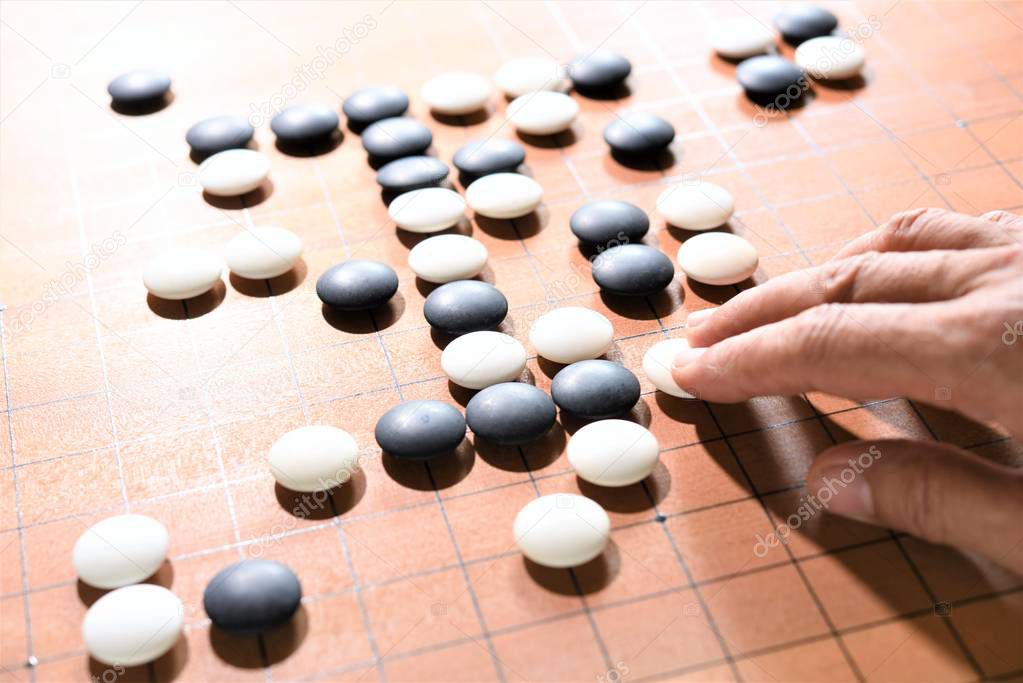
[[113, 402]]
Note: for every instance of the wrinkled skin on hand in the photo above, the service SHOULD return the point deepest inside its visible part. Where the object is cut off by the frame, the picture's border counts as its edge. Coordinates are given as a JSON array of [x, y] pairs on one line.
[[928, 306]]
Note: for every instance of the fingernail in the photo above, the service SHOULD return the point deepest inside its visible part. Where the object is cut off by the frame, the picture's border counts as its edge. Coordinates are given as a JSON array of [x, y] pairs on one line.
[[686, 356], [845, 492], [697, 317]]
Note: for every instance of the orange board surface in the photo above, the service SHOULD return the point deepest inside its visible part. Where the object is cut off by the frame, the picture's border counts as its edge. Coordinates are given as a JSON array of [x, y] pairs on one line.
[[116, 402]]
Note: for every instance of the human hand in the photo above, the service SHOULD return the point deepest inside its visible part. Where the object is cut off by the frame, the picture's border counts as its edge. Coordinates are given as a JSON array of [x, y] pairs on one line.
[[928, 306]]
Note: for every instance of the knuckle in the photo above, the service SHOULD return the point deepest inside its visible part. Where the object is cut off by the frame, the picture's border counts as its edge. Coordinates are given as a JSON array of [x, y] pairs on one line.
[[904, 229], [838, 280], [999, 216]]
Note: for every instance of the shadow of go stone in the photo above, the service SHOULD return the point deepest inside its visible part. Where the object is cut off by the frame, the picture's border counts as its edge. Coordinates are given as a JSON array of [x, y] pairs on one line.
[[560, 140], [619, 91], [312, 148], [282, 284], [554, 580], [98, 671], [624, 499], [598, 573], [171, 664], [283, 641], [412, 474], [354, 322], [462, 120], [389, 312], [143, 107], [239, 651], [89, 594], [315, 505], [349, 494], [506, 458], [451, 468], [590, 577], [244, 201], [186, 309]]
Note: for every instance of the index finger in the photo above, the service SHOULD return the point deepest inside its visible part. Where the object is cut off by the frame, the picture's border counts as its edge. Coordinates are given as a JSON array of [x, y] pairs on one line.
[[853, 350]]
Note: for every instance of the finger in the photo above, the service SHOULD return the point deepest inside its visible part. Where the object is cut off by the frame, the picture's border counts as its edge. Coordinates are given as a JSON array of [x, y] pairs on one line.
[[854, 350], [1004, 218], [865, 278], [925, 229], [938, 492]]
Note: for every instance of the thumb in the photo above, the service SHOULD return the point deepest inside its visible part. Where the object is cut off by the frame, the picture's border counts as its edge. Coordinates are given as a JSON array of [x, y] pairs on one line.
[[935, 491]]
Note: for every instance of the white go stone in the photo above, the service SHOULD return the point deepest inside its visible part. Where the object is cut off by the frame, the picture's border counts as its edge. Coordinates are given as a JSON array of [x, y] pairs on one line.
[[456, 93], [718, 258], [613, 452], [542, 112], [528, 74], [830, 57], [446, 258], [504, 195], [741, 37], [133, 625], [182, 273], [119, 551], [314, 458], [480, 359], [264, 252], [570, 334], [696, 206], [233, 172], [430, 209], [657, 363], [562, 530]]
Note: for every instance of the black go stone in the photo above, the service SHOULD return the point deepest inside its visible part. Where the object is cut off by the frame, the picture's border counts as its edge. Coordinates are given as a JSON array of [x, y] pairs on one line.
[[396, 137], [465, 306], [218, 134], [595, 389], [139, 87], [771, 81], [252, 596], [609, 223], [357, 285], [638, 134], [139, 92], [632, 270], [510, 413], [412, 173], [483, 157], [305, 124], [419, 430], [599, 71], [803, 22], [366, 105]]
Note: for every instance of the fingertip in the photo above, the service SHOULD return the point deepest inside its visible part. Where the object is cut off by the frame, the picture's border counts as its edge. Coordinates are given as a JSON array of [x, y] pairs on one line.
[[697, 317], [837, 479], [836, 456], [683, 368], [686, 357]]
